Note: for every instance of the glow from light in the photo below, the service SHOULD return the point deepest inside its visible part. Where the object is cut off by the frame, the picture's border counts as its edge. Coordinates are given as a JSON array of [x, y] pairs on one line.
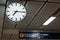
[[49, 20]]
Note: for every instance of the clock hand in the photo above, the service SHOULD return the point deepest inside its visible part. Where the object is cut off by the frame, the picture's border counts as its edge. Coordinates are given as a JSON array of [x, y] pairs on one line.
[[14, 13], [18, 11], [21, 11]]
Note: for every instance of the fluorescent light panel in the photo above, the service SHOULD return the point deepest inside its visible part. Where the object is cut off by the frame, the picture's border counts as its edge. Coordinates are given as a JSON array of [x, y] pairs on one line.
[[49, 20]]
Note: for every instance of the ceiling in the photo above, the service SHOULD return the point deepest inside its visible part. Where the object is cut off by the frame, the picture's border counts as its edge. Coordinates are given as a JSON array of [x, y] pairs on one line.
[[38, 11]]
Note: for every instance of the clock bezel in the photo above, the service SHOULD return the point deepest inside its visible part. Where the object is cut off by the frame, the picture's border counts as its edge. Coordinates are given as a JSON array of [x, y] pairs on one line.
[[10, 19]]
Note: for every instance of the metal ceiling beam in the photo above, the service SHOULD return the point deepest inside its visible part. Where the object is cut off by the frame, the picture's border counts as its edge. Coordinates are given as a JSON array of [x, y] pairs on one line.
[[11, 31]]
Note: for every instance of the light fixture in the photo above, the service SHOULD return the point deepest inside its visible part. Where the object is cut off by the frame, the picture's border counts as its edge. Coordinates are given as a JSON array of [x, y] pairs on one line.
[[49, 20]]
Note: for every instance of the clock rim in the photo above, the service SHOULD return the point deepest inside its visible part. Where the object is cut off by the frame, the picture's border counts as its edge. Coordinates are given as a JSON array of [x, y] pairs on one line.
[[19, 20]]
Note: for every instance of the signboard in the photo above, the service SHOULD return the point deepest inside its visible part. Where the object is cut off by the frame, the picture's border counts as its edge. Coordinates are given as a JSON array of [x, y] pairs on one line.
[[38, 35]]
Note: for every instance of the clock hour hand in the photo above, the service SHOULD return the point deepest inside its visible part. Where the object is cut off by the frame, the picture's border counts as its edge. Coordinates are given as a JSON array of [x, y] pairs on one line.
[[14, 13], [18, 11]]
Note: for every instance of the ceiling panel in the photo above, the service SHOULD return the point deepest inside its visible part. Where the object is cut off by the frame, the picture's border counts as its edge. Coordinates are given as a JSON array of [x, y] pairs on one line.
[[32, 9], [2, 8], [54, 0], [2, 1], [6, 36], [11, 34], [55, 25], [8, 24], [14, 37], [11, 31], [43, 15]]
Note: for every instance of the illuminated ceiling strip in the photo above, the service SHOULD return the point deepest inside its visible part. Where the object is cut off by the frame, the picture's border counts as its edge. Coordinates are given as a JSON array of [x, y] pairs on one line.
[[49, 20]]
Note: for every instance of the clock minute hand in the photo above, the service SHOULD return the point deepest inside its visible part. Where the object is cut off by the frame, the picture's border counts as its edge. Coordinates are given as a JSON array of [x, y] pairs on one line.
[[21, 11]]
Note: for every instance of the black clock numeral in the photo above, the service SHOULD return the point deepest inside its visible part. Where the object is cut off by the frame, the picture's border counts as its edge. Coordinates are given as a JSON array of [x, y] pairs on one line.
[[11, 4], [22, 8], [7, 11], [16, 4], [16, 19], [23, 15], [24, 12], [8, 7], [20, 18], [8, 15], [12, 18], [20, 5]]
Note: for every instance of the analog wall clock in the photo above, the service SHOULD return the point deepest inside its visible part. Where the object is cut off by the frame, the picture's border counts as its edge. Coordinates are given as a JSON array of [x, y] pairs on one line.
[[15, 12]]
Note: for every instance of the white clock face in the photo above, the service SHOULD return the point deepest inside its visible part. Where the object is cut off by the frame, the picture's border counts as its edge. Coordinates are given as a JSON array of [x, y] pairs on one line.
[[16, 12]]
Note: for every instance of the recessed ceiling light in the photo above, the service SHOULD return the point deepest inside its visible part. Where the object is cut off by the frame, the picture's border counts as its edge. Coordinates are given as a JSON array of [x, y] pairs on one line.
[[49, 20]]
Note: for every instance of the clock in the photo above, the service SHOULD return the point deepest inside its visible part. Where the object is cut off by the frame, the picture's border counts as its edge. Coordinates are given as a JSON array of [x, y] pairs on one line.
[[16, 12]]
